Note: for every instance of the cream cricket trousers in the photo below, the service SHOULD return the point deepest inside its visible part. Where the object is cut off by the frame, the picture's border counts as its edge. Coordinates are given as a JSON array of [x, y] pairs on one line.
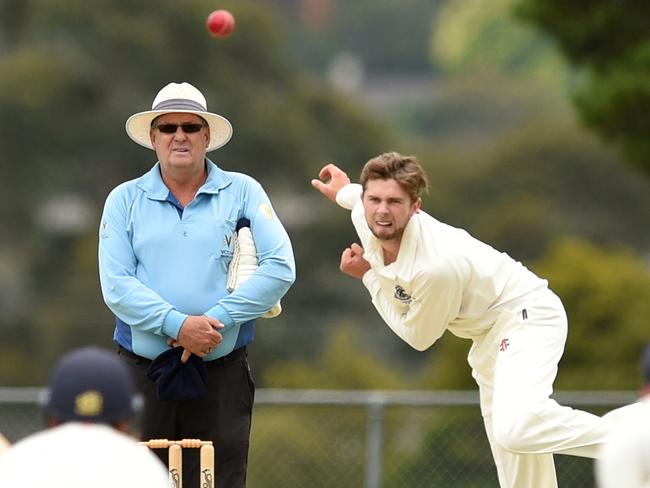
[[515, 365]]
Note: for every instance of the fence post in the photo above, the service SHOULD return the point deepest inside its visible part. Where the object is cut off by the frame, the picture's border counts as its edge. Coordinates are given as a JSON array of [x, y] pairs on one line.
[[374, 442]]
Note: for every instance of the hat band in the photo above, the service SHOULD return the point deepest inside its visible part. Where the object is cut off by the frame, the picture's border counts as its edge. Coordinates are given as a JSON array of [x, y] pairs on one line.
[[179, 104]]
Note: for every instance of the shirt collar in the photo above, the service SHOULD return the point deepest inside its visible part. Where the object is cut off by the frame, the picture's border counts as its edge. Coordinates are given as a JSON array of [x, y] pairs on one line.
[[154, 186], [217, 179], [403, 266]]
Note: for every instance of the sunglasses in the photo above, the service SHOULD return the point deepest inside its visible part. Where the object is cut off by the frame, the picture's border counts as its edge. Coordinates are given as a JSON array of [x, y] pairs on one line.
[[187, 128]]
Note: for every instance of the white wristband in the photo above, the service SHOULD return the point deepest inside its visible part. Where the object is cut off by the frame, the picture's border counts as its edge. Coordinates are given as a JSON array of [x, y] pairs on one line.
[[349, 195]]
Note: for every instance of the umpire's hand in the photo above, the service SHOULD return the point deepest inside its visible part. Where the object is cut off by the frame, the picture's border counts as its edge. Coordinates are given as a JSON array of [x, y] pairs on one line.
[[199, 334]]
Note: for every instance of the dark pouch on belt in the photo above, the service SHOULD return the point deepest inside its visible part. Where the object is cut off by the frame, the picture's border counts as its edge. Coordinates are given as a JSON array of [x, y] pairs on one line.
[[175, 380]]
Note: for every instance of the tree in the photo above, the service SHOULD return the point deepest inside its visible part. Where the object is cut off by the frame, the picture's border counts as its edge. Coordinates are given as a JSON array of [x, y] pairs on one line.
[[605, 291], [484, 37], [343, 364], [548, 181], [609, 41]]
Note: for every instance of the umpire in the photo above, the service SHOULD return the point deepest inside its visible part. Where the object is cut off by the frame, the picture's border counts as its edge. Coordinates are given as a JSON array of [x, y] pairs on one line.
[[165, 243]]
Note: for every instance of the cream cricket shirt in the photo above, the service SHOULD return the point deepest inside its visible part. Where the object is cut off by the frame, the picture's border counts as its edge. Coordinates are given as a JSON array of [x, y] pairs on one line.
[[625, 457], [78, 455], [443, 278]]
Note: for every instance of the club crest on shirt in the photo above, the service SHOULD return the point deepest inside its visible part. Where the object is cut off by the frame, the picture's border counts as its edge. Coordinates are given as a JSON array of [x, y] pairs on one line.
[[402, 296], [265, 208], [104, 230]]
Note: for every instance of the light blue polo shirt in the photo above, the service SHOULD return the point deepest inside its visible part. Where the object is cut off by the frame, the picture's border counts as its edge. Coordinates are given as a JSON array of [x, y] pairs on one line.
[[157, 265]]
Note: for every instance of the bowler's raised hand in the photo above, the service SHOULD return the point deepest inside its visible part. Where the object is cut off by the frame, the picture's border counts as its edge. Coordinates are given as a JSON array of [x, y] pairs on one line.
[[332, 179]]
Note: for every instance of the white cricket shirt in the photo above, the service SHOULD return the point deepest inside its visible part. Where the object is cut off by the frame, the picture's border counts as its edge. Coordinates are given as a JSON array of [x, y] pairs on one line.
[[625, 457], [443, 278], [80, 455]]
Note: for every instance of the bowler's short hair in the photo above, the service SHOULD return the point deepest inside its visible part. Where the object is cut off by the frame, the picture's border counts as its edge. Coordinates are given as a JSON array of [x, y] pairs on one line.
[[405, 170]]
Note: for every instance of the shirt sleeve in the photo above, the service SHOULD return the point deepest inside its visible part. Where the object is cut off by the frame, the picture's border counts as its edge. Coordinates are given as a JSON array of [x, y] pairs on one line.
[[125, 295], [434, 302], [349, 195], [276, 271]]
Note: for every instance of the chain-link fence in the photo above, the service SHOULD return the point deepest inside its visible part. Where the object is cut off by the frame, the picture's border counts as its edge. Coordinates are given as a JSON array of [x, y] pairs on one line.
[[362, 439]]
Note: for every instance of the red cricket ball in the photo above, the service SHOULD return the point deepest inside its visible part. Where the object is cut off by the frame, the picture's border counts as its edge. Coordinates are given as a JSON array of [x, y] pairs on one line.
[[220, 23]]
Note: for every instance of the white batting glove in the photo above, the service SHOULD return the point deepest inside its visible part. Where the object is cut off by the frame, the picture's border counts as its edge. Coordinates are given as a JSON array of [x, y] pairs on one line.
[[244, 263]]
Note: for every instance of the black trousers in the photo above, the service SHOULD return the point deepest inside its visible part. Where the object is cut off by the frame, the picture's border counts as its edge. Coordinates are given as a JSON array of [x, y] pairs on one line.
[[223, 417]]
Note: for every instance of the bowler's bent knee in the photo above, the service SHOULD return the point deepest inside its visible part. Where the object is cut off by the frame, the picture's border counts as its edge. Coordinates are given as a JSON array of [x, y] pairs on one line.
[[515, 428]]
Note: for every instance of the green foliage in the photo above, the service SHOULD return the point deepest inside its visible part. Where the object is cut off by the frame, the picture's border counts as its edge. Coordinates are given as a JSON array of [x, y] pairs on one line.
[[445, 449], [610, 41], [446, 367], [304, 436], [55, 72], [605, 292], [593, 32], [607, 43], [343, 364], [537, 183], [484, 37], [546, 183], [617, 103]]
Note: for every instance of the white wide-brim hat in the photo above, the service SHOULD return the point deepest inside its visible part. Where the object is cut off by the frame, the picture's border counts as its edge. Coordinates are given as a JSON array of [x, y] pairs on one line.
[[179, 98]]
